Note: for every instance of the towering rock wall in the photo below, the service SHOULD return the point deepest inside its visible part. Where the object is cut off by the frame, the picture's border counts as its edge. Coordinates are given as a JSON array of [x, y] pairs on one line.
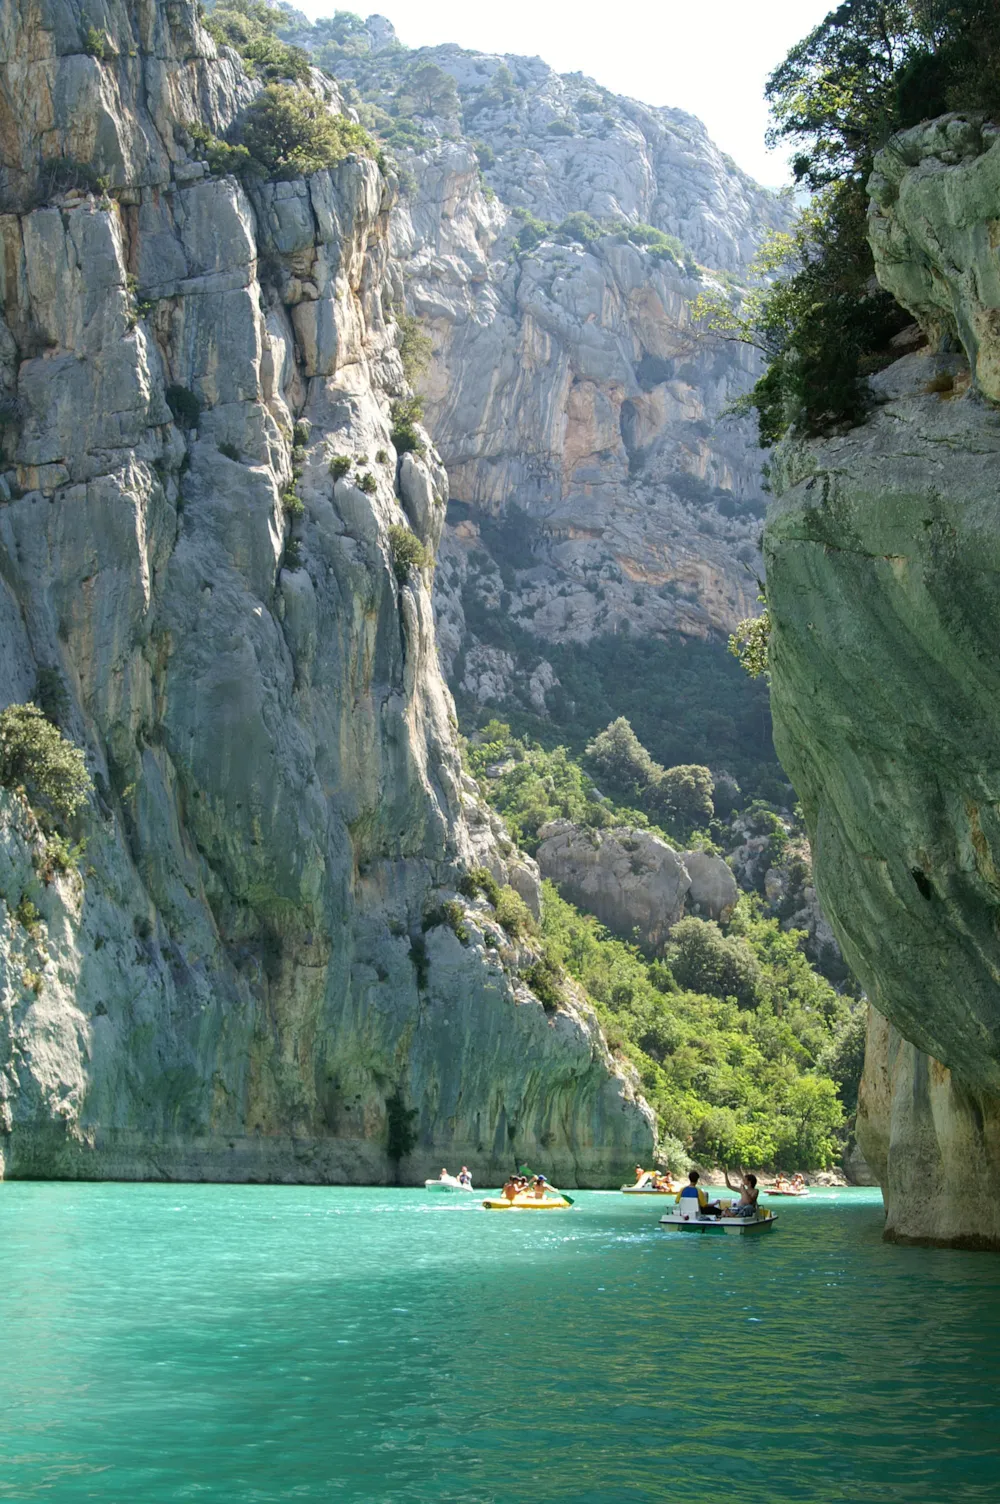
[[252, 961], [883, 555], [577, 408]]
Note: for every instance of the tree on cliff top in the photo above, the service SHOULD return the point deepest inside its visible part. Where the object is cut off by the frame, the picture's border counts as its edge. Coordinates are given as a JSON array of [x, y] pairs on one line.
[[870, 68]]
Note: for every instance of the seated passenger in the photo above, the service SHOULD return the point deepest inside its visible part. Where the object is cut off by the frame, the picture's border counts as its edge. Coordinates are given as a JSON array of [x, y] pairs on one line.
[[539, 1188], [511, 1187], [464, 1178], [640, 1174], [692, 1193]]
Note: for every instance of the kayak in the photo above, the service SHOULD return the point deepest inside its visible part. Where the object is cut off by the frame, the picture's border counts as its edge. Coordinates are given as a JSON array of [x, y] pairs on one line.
[[447, 1183], [526, 1204], [721, 1225]]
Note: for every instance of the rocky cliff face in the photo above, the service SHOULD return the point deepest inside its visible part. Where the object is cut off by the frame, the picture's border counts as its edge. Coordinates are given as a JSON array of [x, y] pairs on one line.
[[253, 961], [596, 487], [882, 566]]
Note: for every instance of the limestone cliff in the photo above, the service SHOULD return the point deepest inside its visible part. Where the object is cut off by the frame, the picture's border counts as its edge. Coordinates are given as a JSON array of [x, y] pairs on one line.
[[253, 960], [883, 556], [595, 485]]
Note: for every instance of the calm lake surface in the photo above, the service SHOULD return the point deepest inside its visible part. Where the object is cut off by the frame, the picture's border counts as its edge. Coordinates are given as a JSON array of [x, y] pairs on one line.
[[248, 1344]]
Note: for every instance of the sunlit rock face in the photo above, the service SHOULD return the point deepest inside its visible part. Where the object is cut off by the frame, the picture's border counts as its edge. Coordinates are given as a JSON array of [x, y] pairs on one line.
[[882, 562], [578, 407], [253, 961]]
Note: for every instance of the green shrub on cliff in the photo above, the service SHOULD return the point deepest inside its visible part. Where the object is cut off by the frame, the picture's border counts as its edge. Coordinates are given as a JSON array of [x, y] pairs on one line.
[[870, 68], [35, 756], [408, 553], [288, 133]]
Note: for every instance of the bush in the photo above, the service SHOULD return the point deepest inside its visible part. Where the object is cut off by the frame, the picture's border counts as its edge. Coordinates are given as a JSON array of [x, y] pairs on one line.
[[704, 960], [340, 465], [36, 756], [513, 914], [480, 880], [381, 456], [681, 798], [184, 405], [293, 554], [618, 755], [415, 348], [405, 414], [560, 128], [96, 43], [300, 432], [547, 982], [367, 483], [454, 917], [222, 158], [292, 503], [749, 643], [407, 552], [290, 134]]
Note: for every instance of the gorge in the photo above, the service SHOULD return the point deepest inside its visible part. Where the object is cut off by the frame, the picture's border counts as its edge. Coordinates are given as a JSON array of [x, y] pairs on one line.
[[241, 562]]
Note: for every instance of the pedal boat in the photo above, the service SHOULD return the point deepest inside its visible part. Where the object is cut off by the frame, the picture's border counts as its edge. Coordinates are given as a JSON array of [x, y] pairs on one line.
[[447, 1183], [645, 1189], [764, 1220], [766, 1192], [526, 1204]]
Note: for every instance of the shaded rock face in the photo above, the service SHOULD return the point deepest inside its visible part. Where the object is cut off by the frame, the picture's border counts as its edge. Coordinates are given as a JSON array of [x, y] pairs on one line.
[[632, 881], [883, 554], [254, 962]]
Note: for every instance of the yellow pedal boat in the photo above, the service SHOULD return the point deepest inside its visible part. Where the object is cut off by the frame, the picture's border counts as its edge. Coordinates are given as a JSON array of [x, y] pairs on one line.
[[526, 1204]]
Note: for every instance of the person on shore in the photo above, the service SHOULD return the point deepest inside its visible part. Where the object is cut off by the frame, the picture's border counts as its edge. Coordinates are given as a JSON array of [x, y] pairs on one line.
[[747, 1188], [693, 1198]]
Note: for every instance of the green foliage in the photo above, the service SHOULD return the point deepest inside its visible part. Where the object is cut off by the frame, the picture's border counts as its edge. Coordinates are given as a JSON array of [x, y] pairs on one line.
[[367, 483], [250, 28], [184, 405], [408, 553], [401, 1136], [301, 430], [381, 456], [680, 798], [405, 414], [453, 915], [548, 982], [480, 880], [728, 1084], [290, 134], [36, 756], [415, 348], [688, 701], [618, 755], [28, 917], [97, 44], [560, 128], [703, 959], [749, 643], [61, 855], [513, 915], [427, 90], [340, 465], [222, 158], [292, 503], [870, 68], [293, 554]]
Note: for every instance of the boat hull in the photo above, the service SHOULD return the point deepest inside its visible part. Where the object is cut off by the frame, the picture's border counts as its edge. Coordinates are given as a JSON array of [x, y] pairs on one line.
[[448, 1187], [525, 1204], [720, 1226]]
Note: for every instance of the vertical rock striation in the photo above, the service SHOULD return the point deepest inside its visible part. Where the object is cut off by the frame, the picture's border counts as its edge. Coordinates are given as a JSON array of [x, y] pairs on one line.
[[883, 557], [255, 960]]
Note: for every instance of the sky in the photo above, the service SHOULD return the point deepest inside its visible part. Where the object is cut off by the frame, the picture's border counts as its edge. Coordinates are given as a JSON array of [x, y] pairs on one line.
[[710, 57]]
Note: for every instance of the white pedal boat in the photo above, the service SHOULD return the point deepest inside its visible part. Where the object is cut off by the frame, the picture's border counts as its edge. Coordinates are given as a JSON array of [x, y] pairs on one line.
[[447, 1183], [721, 1225]]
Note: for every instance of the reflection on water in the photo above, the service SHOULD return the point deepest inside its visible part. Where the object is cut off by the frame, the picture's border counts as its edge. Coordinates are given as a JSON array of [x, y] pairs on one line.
[[243, 1345]]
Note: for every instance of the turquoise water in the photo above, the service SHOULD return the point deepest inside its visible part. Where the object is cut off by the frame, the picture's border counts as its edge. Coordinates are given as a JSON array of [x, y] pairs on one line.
[[249, 1344]]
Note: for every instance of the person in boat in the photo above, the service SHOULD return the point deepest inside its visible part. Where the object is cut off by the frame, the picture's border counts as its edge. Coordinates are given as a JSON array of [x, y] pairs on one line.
[[464, 1178], [539, 1188], [640, 1174], [664, 1182], [798, 1183], [693, 1192], [747, 1206], [511, 1187]]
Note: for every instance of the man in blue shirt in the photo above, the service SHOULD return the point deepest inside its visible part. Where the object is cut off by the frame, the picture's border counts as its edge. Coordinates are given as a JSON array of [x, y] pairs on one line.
[[694, 1200]]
